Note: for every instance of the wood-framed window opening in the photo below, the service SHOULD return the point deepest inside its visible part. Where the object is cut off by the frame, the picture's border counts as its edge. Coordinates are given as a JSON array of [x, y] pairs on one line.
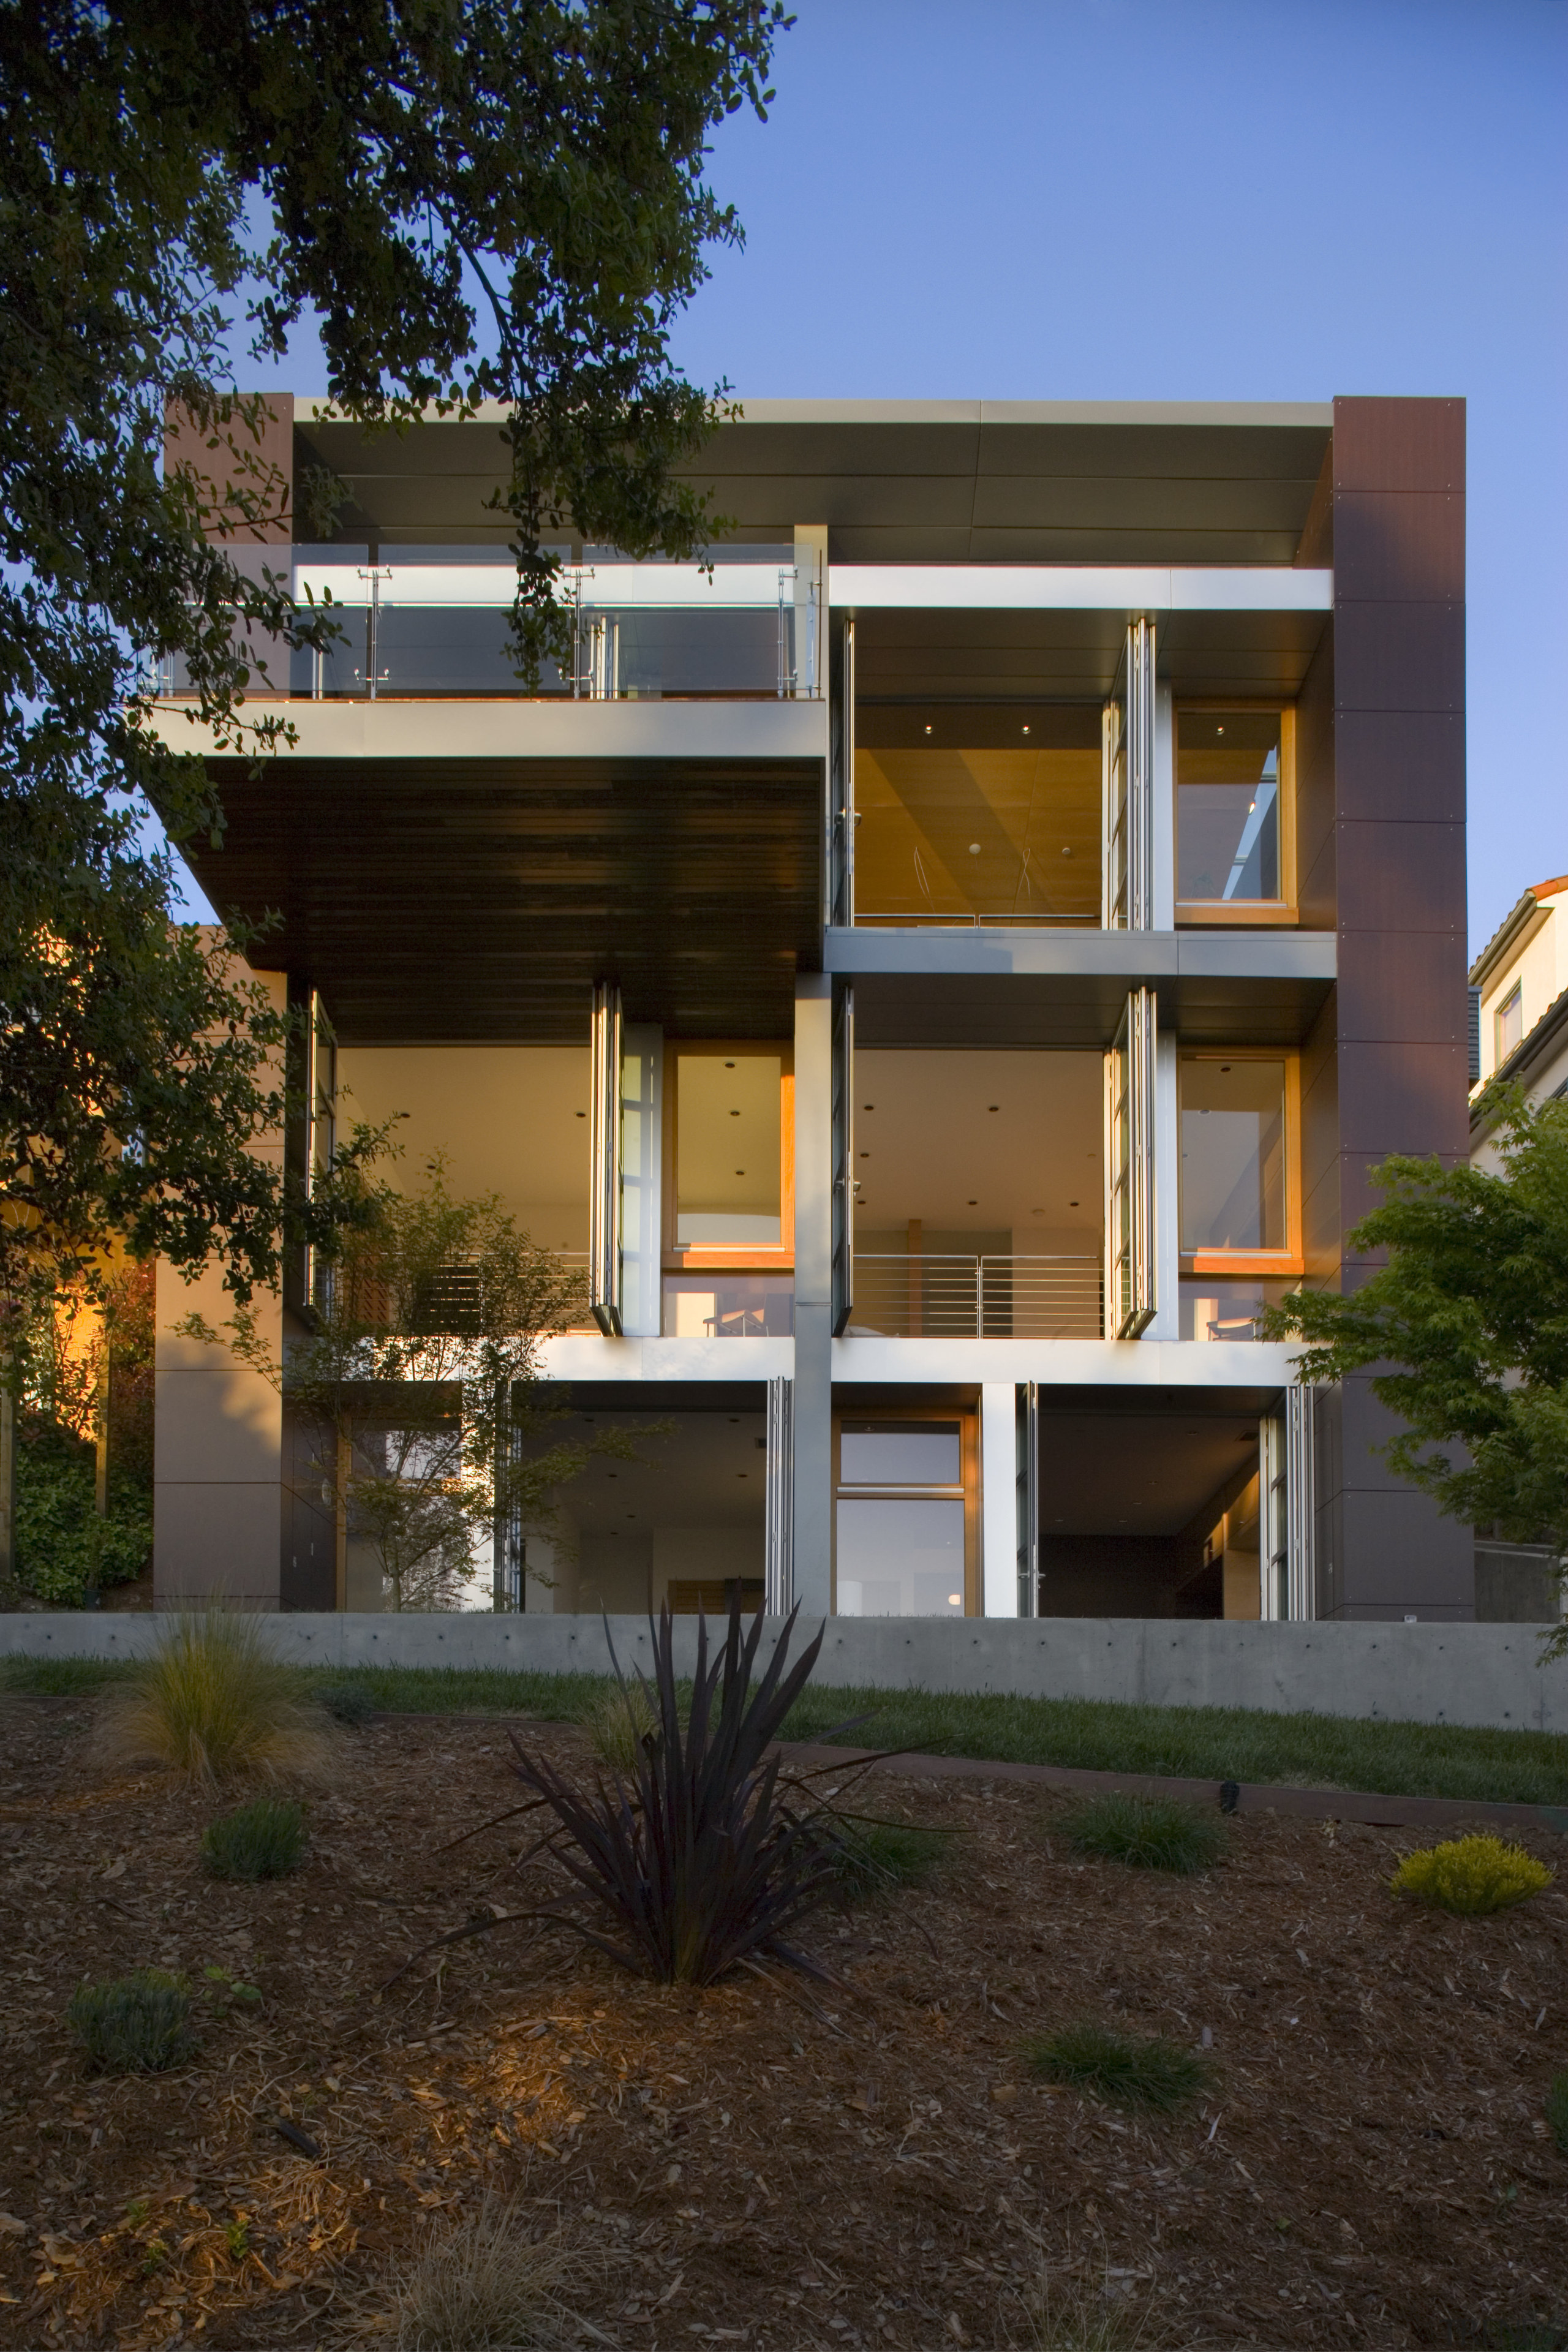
[[680, 1255], [1245, 913], [891, 1416], [1288, 1260]]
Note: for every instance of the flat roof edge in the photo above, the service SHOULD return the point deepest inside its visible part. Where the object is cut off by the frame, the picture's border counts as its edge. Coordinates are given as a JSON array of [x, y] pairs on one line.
[[1262, 415]]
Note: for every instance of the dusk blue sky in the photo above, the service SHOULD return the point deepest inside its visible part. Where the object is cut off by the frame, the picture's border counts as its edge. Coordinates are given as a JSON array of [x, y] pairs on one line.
[[1203, 200]]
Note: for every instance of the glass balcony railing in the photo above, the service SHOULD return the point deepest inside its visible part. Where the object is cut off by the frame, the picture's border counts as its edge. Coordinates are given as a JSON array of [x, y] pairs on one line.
[[430, 621], [947, 1296]]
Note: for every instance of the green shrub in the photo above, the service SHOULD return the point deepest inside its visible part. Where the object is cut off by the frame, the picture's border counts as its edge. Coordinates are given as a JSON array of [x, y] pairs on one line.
[[64, 1549], [1147, 1832], [266, 1840], [875, 1857], [138, 2025], [1557, 2111], [1471, 1875], [348, 1702], [1130, 2069]]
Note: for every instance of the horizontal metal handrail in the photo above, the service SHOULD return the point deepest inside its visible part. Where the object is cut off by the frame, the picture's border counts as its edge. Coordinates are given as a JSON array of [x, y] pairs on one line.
[[949, 1296]]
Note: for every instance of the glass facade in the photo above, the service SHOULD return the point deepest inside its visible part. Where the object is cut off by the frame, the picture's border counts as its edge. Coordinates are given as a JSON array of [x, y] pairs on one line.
[[728, 1149], [977, 813], [1228, 784], [901, 1535], [1233, 1153]]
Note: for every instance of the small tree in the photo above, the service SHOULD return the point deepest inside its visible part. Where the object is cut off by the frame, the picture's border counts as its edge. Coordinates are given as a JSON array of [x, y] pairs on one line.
[[422, 1389], [1469, 1317]]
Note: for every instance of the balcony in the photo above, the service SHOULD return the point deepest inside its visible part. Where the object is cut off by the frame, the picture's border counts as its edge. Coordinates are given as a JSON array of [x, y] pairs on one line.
[[929, 1296], [423, 623]]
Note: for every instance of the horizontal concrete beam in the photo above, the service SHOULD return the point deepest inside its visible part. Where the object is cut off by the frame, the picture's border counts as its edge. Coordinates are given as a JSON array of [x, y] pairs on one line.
[[1485, 1676], [512, 728], [1126, 957], [1126, 588]]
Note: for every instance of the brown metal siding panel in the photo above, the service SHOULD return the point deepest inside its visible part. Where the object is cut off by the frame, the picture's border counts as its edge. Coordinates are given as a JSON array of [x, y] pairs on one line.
[[274, 448], [1402, 877], [1399, 657], [1401, 766], [1399, 546], [1393, 991], [1408, 1099], [1399, 445]]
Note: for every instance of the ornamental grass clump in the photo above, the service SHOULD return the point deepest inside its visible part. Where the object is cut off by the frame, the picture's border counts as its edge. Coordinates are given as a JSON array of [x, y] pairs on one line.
[[1147, 1832], [138, 2025], [1471, 1875], [707, 1854], [871, 1857], [266, 1840], [1129, 2069], [214, 1702], [617, 1720], [486, 2282]]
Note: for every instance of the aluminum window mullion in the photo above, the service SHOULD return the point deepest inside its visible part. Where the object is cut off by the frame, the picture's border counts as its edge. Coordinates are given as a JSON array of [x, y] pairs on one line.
[[779, 1593], [604, 1195]]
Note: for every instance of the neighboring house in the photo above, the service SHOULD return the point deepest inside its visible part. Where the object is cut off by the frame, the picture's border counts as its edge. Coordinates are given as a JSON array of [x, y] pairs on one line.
[[1519, 1032], [1518, 1007], [943, 972]]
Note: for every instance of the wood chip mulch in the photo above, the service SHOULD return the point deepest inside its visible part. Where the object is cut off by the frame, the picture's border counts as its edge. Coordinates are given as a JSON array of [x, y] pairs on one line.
[[874, 2167]]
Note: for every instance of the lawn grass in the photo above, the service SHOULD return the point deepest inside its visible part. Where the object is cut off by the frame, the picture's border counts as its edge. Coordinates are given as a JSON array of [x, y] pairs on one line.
[[1200, 1743]]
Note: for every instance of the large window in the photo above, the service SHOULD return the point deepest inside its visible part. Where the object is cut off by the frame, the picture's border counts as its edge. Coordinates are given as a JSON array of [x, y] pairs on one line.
[[902, 1534], [1232, 811], [1234, 1154], [977, 813], [729, 1155]]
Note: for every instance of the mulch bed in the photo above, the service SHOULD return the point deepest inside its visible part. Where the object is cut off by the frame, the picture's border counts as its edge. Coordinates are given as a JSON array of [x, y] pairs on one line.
[[867, 2168]]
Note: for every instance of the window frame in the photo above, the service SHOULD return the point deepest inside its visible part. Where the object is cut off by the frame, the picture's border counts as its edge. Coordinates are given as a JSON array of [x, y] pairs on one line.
[[1250, 914], [923, 1408], [693, 1257], [1290, 1259], [1500, 1011]]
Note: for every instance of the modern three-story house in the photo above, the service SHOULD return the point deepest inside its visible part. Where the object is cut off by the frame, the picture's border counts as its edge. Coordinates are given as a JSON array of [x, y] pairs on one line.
[[943, 968]]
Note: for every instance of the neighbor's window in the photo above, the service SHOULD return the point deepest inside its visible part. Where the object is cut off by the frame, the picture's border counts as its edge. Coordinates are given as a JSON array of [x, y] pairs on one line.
[[1228, 781], [728, 1158], [1510, 1022], [1233, 1153], [900, 1527]]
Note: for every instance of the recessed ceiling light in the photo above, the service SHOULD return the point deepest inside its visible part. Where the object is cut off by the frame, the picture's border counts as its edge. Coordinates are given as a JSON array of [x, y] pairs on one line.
[[1219, 731], [867, 1105], [927, 730], [993, 1106], [1026, 730], [582, 1113], [974, 849], [740, 1171], [728, 1066], [734, 1114], [975, 1204], [1072, 1205]]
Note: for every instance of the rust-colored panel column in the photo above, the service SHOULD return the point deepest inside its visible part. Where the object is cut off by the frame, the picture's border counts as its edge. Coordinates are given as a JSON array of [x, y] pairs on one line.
[[1402, 1074], [266, 458]]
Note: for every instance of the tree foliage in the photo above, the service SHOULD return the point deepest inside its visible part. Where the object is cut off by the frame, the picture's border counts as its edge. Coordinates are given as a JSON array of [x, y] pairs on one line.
[[1469, 1320], [420, 1389], [475, 200]]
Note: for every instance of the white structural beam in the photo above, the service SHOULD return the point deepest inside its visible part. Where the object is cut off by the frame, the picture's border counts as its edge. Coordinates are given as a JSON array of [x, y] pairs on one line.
[[999, 1498], [1079, 588]]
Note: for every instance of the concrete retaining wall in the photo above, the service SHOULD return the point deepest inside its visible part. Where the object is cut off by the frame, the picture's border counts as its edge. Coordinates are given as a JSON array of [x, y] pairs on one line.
[[1484, 1674]]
